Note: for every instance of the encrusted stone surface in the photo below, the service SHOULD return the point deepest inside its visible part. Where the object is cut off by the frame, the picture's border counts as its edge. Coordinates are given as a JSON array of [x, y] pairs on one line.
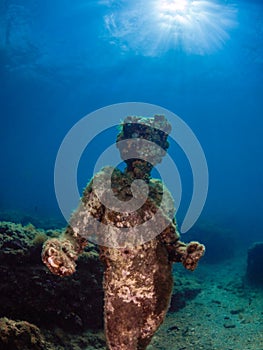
[[21, 335]]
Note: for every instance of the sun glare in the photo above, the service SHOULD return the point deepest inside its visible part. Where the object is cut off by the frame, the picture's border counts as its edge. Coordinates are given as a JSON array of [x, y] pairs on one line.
[[156, 26], [171, 12], [172, 7]]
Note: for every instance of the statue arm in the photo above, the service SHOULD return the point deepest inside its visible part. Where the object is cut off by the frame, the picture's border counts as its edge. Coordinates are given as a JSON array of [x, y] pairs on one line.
[[188, 254], [60, 254]]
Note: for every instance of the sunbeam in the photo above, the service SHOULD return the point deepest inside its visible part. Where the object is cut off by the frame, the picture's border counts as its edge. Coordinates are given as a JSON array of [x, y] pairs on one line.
[[154, 27]]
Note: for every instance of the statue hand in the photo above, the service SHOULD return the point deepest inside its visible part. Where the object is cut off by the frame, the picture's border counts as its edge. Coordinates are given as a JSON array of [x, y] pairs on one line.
[[194, 251], [59, 256]]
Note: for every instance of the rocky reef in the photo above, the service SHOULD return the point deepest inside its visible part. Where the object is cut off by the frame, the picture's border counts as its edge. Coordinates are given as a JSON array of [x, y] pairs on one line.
[[21, 335], [29, 292]]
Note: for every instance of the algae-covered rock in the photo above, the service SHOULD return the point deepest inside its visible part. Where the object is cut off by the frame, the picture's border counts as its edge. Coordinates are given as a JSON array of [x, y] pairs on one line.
[[21, 335], [30, 292], [15, 242]]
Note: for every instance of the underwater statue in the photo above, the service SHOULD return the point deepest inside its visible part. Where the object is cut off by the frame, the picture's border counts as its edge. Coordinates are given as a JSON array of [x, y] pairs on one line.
[[138, 264]]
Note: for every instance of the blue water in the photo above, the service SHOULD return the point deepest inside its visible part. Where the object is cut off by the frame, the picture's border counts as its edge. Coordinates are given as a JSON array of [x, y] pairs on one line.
[[60, 60]]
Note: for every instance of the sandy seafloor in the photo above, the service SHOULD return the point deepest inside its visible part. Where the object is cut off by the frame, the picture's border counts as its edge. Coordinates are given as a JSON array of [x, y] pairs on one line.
[[226, 315]]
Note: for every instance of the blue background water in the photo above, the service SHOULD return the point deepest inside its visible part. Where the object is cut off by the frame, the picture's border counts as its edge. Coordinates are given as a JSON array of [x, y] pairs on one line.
[[59, 63]]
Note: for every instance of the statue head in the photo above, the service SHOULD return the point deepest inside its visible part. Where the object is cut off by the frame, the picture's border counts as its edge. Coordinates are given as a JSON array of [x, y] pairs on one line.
[[142, 143]]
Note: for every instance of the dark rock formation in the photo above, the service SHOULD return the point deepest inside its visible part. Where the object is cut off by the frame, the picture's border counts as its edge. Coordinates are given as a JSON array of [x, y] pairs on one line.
[[21, 335], [185, 289], [28, 291], [255, 263]]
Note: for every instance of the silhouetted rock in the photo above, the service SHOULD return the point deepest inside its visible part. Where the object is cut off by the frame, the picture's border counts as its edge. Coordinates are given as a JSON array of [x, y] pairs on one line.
[[255, 264]]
